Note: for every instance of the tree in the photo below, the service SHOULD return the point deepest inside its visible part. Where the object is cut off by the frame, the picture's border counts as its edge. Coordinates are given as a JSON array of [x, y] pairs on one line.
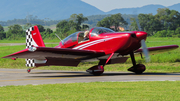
[[174, 19], [143, 20], [62, 27], [41, 28], [149, 23], [114, 20], [1, 28], [48, 30], [106, 22], [162, 33], [84, 26], [15, 32], [78, 20], [177, 32], [48, 34], [117, 20], [2, 33], [134, 25], [65, 27], [27, 25], [153, 25], [170, 19]]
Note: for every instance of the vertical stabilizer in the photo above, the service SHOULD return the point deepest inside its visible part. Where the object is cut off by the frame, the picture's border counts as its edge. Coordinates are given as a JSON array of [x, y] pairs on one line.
[[33, 39]]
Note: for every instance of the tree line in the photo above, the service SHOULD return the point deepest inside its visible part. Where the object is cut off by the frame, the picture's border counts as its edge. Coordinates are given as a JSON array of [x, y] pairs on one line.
[[16, 32], [63, 28], [166, 23], [30, 19]]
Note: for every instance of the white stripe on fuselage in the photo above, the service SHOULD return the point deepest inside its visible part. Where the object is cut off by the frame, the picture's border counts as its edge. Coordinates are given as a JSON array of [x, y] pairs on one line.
[[89, 43], [93, 43]]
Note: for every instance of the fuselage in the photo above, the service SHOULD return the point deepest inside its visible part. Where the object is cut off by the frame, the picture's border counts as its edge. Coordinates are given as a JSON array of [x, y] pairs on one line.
[[109, 42]]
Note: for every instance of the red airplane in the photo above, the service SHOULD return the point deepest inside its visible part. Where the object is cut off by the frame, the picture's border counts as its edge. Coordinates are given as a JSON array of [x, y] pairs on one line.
[[103, 45]]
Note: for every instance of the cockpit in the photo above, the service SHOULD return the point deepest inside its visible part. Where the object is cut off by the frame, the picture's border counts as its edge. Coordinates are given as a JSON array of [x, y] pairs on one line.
[[73, 39], [98, 30], [79, 37]]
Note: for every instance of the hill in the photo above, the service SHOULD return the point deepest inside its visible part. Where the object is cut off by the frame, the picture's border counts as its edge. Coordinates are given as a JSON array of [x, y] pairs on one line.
[[62, 9], [145, 9], [175, 7], [52, 9]]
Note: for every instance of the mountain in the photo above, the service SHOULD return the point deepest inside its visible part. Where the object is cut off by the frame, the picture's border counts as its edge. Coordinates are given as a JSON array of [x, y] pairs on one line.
[[175, 7], [145, 9], [53, 9], [62, 9]]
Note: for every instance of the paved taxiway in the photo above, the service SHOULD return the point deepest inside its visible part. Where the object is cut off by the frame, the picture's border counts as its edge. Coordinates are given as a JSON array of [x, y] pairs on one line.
[[21, 77]]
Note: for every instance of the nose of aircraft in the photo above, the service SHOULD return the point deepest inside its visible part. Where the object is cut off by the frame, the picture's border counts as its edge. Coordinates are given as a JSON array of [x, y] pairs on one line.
[[141, 35]]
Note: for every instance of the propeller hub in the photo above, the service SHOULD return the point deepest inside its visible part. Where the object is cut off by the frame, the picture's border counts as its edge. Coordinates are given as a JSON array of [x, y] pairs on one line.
[[141, 35]]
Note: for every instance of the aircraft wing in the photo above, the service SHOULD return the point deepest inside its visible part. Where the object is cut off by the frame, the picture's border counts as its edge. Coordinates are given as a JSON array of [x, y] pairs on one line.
[[56, 56], [44, 52], [159, 49]]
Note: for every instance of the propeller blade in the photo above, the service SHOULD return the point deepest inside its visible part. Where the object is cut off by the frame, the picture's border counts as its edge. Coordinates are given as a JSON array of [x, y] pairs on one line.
[[145, 50]]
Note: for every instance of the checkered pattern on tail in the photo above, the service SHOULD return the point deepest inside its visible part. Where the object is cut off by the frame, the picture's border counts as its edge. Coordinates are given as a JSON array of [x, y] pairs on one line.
[[29, 39], [29, 43], [30, 63]]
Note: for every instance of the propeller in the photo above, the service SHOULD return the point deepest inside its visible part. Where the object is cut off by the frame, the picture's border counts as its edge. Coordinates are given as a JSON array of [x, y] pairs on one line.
[[145, 50]]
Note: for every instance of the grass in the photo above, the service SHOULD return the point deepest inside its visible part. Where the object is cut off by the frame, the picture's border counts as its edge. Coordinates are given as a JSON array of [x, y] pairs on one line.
[[98, 91]]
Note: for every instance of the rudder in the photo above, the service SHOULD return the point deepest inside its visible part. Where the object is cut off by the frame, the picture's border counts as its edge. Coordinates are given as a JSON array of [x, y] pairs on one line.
[[33, 38]]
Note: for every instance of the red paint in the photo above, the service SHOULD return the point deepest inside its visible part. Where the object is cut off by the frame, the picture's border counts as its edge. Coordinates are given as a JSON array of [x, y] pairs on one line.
[[109, 42], [22, 51], [37, 37]]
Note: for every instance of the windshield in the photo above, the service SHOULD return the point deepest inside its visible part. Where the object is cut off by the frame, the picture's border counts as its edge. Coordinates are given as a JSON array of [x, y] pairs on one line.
[[98, 30], [70, 38]]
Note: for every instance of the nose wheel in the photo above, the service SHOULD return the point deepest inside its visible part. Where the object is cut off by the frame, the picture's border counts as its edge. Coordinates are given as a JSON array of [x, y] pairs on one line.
[[136, 68]]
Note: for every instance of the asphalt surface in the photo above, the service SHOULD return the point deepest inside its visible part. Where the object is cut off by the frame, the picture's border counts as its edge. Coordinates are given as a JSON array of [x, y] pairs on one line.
[[21, 77]]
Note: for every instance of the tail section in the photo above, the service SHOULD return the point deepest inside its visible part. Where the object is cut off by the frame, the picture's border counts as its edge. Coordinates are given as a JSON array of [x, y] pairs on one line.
[[33, 39]]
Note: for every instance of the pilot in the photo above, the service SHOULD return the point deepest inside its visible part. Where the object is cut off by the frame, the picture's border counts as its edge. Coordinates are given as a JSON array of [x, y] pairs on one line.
[[86, 35]]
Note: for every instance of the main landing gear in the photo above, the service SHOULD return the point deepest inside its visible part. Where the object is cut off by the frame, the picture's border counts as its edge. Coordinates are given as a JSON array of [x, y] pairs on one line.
[[96, 70], [99, 69], [136, 68]]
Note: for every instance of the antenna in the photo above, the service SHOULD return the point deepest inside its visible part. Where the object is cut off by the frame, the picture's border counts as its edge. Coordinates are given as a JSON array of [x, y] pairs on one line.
[[59, 38]]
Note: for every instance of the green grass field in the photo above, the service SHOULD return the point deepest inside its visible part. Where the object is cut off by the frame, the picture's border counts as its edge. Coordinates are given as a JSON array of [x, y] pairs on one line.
[[94, 91], [100, 91]]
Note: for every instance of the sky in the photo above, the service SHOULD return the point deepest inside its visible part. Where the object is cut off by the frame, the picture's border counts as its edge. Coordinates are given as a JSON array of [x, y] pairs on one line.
[[107, 5]]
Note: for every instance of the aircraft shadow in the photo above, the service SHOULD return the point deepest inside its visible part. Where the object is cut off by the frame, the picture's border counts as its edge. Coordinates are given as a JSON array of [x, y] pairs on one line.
[[85, 74]]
